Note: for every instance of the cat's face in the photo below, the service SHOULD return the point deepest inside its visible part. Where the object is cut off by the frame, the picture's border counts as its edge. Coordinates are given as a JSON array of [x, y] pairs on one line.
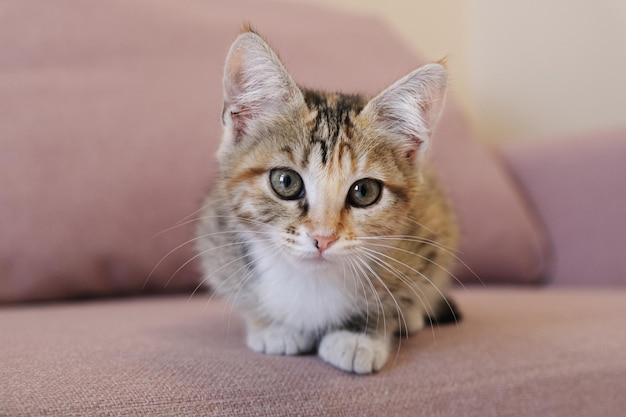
[[318, 174], [321, 181]]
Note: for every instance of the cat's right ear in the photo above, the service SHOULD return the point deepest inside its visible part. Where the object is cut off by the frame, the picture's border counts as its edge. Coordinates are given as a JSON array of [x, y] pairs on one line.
[[257, 88], [408, 110]]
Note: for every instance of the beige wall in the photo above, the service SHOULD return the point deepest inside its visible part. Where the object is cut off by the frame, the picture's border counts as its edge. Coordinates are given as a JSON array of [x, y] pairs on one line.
[[544, 68], [521, 69]]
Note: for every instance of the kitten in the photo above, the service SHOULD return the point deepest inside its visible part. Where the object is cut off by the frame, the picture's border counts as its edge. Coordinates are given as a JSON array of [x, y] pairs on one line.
[[326, 228]]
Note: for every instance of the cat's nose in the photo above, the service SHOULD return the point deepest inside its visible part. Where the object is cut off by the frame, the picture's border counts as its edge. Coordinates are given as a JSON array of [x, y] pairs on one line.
[[323, 242]]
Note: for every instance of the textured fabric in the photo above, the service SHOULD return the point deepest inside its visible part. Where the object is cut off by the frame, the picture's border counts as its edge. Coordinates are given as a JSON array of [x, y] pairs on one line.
[[110, 116], [517, 353], [577, 187]]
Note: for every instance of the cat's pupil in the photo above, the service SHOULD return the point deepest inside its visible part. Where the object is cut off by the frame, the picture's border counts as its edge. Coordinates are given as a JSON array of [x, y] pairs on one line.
[[360, 190], [285, 180]]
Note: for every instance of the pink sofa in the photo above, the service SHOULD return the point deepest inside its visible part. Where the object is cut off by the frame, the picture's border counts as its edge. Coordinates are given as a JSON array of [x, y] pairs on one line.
[[109, 118]]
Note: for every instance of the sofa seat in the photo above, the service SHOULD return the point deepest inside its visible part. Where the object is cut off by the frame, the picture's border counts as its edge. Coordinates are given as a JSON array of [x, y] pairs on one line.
[[518, 351]]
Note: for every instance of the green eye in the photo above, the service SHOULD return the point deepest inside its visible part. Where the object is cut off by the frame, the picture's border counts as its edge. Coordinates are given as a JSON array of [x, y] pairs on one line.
[[365, 192], [287, 184]]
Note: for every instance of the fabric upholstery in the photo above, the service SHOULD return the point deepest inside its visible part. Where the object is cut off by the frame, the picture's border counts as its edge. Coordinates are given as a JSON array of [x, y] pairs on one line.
[[110, 116], [577, 187], [518, 352]]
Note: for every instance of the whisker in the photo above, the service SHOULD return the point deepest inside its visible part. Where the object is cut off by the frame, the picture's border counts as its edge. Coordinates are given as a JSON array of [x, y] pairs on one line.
[[355, 278], [432, 284], [401, 318], [402, 277], [423, 226], [182, 223], [233, 296], [378, 302], [424, 258], [202, 253], [444, 248], [186, 243], [409, 238], [215, 290], [409, 284], [393, 298], [201, 209]]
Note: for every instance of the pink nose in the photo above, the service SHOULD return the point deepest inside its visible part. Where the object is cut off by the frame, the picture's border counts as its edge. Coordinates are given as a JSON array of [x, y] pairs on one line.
[[323, 242]]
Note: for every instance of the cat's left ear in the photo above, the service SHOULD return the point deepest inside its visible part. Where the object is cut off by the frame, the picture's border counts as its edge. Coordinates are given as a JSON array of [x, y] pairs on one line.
[[257, 87], [408, 111]]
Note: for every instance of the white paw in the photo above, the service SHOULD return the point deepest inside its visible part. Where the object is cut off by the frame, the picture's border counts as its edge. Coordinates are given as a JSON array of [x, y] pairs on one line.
[[354, 352], [279, 341]]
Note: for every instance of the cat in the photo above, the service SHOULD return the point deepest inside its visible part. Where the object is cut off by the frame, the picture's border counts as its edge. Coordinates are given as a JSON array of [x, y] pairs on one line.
[[326, 228]]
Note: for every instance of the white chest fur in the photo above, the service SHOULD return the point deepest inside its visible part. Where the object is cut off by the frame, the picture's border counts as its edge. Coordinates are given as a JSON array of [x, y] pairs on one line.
[[305, 296]]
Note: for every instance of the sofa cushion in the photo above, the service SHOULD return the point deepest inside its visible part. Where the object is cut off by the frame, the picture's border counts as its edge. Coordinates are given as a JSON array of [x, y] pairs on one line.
[[110, 116], [517, 353], [576, 185]]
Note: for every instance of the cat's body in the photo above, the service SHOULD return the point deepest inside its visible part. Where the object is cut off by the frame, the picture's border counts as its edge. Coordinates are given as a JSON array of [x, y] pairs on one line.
[[325, 228]]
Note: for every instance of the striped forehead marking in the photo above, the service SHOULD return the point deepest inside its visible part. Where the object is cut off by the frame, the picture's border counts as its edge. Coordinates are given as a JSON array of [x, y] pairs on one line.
[[334, 113]]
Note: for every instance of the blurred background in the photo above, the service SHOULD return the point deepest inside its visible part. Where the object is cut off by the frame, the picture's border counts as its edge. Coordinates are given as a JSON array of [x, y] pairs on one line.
[[109, 120], [522, 70]]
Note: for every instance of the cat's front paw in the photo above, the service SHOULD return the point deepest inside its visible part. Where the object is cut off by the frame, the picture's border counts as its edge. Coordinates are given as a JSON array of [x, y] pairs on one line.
[[354, 352], [279, 341]]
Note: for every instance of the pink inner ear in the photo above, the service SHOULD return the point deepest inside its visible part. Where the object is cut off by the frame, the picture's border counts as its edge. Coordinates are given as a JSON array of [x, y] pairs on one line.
[[255, 84], [239, 123], [412, 150], [240, 117]]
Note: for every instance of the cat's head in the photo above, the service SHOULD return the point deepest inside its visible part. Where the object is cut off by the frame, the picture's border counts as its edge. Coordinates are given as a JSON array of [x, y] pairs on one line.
[[315, 173]]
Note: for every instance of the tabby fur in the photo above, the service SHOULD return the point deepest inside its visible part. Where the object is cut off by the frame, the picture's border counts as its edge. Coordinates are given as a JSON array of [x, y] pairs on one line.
[[314, 271]]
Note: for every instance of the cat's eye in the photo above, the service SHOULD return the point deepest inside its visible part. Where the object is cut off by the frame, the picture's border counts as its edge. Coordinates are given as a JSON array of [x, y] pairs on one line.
[[287, 184], [365, 192]]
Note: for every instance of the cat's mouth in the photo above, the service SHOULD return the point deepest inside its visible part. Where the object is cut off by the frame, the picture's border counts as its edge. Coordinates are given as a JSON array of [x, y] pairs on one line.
[[316, 259]]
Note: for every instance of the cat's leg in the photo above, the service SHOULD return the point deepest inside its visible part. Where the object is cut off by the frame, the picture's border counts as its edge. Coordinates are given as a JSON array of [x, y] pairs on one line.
[[413, 320], [275, 339], [427, 306], [357, 352]]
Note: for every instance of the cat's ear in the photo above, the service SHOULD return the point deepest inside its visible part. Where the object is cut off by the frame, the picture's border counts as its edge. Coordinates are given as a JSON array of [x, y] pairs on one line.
[[407, 111], [256, 85]]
